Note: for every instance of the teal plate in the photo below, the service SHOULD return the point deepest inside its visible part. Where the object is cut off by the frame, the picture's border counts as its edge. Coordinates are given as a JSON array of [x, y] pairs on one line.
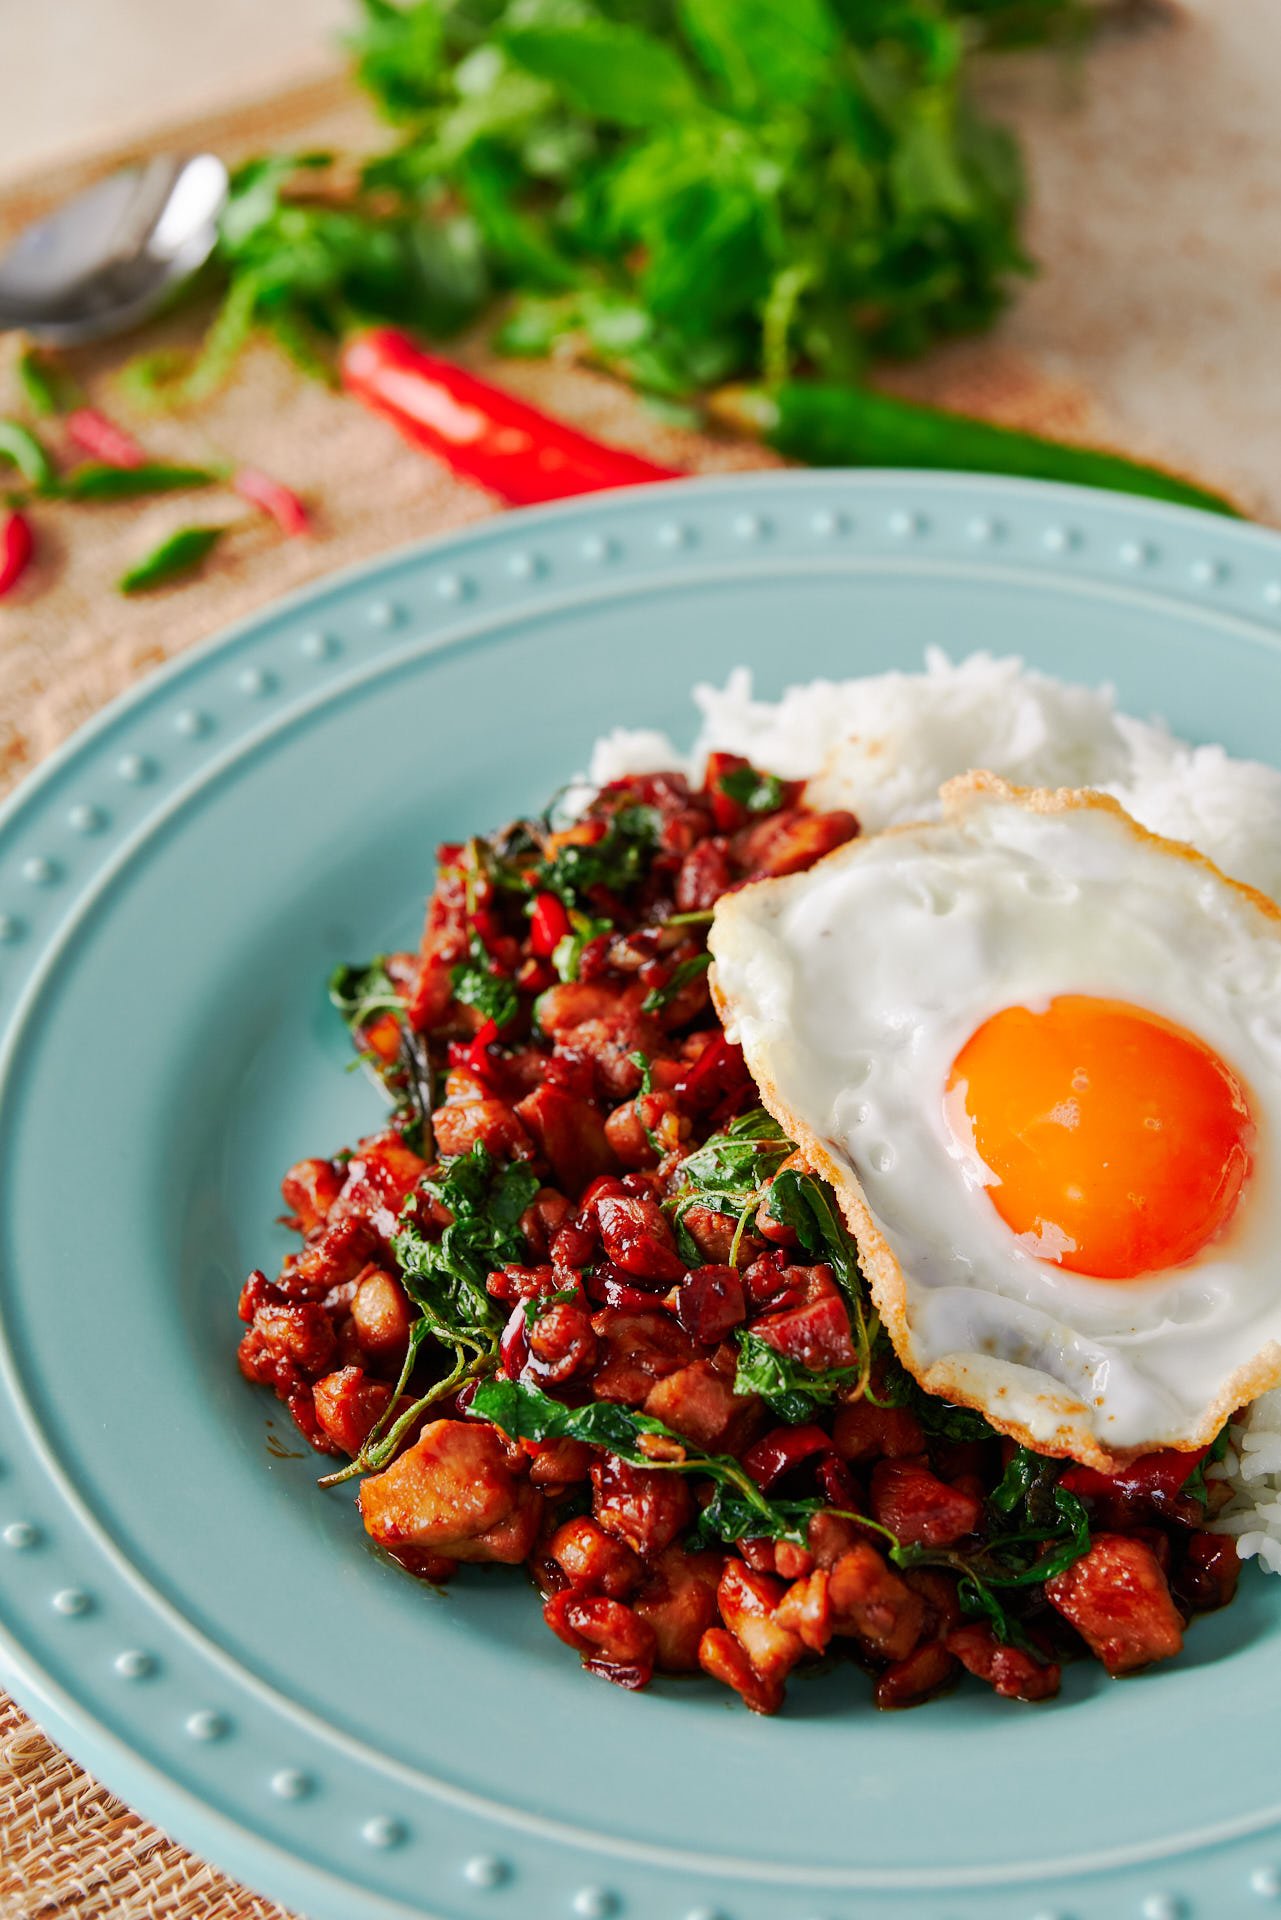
[[179, 1605]]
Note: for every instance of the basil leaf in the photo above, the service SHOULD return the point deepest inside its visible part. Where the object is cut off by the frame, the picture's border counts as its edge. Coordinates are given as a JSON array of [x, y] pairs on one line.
[[616, 862], [660, 997], [758, 792], [794, 1392], [607, 69], [765, 50], [475, 984], [738, 1509]]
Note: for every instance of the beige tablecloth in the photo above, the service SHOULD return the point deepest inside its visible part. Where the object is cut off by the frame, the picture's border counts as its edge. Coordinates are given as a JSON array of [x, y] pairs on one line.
[[1152, 328]]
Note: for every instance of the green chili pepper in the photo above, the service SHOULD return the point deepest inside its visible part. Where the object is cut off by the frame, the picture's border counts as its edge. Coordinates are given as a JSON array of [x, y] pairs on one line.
[[96, 481], [838, 426], [20, 447], [176, 556]]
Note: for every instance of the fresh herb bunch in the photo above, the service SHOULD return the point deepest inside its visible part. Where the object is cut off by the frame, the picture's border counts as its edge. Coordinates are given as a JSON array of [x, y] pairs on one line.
[[696, 190]]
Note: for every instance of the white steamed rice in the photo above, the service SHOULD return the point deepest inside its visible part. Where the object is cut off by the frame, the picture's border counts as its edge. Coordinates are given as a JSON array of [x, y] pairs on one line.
[[883, 746]]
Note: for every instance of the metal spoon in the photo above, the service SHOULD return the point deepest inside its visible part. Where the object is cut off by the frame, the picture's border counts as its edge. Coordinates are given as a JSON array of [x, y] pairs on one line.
[[107, 258]]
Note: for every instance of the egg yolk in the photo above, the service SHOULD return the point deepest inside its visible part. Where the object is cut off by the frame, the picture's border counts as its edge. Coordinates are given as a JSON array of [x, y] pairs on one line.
[[1120, 1138]]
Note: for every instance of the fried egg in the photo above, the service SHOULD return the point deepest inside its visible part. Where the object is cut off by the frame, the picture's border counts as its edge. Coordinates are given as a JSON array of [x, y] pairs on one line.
[[1037, 1052]]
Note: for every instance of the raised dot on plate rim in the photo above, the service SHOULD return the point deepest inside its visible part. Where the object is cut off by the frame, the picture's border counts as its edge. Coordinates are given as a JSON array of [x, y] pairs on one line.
[[486, 1870], [596, 547], [983, 528], [381, 613], [671, 534], [825, 522], [524, 566], [39, 871], [133, 767], [206, 1725], [1161, 1906], [20, 1534], [1207, 572], [317, 646], [1134, 553], [750, 526], [134, 1665], [191, 723], [594, 1903], [1266, 1881], [255, 680], [290, 1784], [1060, 539], [1272, 593], [452, 586], [382, 1832], [86, 818], [903, 523], [704, 1913], [71, 1601]]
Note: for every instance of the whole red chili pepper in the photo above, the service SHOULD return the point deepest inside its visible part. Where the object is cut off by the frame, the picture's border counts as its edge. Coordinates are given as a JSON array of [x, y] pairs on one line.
[[482, 433], [17, 544], [548, 924], [284, 506], [103, 440]]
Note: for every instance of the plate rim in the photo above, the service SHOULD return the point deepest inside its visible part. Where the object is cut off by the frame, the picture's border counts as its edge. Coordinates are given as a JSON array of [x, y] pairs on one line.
[[380, 573]]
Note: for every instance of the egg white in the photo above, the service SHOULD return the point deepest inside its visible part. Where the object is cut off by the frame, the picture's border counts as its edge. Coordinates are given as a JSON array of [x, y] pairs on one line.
[[853, 987]]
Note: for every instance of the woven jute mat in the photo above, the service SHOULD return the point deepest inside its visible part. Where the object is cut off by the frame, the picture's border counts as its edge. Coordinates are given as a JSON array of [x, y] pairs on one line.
[[1156, 174]]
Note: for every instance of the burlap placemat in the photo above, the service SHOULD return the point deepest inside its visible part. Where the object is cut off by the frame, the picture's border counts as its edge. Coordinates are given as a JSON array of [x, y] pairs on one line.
[[1157, 178]]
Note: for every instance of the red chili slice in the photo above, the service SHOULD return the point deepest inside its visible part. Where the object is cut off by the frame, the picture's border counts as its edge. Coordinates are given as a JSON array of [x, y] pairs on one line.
[[17, 545], [777, 1452], [481, 432], [548, 925]]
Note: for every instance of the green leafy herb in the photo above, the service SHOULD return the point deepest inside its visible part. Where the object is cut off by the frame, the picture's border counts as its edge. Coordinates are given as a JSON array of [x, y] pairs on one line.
[[526, 1412], [615, 862], [538, 1303], [177, 555], [939, 1418], [758, 792], [475, 984], [737, 1510], [1036, 1529], [1194, 1487], [20, 448], [47, 388], [794, 1392], [362, 993], [95, 481], [445, 1279], [727, 1172], [568, 951], [660, 997], [807, 1205]]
